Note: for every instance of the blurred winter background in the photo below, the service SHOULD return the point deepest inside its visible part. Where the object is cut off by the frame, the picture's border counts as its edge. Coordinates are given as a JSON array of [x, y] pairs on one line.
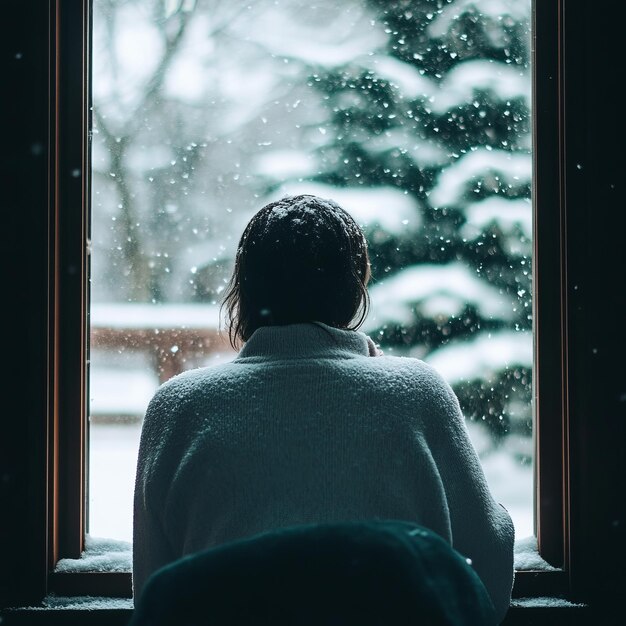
[[412, 114]]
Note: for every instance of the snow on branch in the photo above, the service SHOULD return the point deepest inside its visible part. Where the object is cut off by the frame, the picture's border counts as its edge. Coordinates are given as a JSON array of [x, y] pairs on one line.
[[483, 356], [512, 169], [385, 207], [432, 290]]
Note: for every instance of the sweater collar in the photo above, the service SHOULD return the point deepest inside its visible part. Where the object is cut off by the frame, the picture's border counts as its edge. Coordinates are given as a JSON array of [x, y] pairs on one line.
[[304, 341]]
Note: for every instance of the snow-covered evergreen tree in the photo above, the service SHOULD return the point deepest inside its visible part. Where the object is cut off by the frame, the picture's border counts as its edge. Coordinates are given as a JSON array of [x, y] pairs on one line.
[[432, 129]]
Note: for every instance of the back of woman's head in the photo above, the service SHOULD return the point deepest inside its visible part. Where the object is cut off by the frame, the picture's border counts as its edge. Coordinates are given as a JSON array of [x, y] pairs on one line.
[[300, 259]]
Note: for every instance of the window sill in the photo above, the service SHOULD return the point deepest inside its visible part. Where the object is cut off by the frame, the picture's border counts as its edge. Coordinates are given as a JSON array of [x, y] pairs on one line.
[[104, 570], [94, 611], [528, 584]]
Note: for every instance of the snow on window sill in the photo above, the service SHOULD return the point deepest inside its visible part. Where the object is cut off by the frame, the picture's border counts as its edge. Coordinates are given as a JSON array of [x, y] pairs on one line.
[[80, 603], [526, 556], [543, 602], [100, 555], [96, 603]]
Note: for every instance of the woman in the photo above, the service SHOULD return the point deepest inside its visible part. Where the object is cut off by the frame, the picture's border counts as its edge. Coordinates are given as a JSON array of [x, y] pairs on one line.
[[310, 422]]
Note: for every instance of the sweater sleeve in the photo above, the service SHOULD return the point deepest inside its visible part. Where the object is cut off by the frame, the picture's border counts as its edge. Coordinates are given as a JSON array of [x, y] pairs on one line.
[[151, 548], [482, 529]]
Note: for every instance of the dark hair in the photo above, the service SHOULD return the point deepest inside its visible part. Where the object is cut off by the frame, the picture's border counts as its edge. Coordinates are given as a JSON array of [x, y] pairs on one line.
[[300, 259]]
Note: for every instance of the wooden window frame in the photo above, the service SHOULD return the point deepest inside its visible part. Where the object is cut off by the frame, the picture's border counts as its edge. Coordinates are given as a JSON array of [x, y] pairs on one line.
[[568, 438]]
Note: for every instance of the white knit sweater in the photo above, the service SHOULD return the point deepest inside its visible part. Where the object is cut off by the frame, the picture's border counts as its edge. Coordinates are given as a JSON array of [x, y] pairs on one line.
[[304, 426]]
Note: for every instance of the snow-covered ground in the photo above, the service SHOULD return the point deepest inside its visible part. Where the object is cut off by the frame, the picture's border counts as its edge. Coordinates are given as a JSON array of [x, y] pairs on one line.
[[112, 459]]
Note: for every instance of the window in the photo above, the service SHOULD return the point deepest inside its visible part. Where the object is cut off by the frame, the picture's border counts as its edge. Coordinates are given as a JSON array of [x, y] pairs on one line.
[[578, 391], [416, 122]]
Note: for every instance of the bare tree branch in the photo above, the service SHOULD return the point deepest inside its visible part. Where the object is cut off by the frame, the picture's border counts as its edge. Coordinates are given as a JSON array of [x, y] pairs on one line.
[[155, 83]]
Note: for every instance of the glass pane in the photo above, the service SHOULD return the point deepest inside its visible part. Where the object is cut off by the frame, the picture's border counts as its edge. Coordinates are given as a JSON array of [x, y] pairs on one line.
[[414, 116]]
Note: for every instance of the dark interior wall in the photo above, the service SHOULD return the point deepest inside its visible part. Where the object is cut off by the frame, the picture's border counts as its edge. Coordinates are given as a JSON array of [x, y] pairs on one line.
[[24, 204], [595, 145]]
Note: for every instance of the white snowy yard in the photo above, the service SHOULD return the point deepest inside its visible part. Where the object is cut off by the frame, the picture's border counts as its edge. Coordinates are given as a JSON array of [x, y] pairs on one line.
[[113, 456]]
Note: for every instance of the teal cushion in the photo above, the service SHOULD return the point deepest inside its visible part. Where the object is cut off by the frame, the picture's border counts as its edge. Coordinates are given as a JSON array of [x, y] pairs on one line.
[[380, 573]]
